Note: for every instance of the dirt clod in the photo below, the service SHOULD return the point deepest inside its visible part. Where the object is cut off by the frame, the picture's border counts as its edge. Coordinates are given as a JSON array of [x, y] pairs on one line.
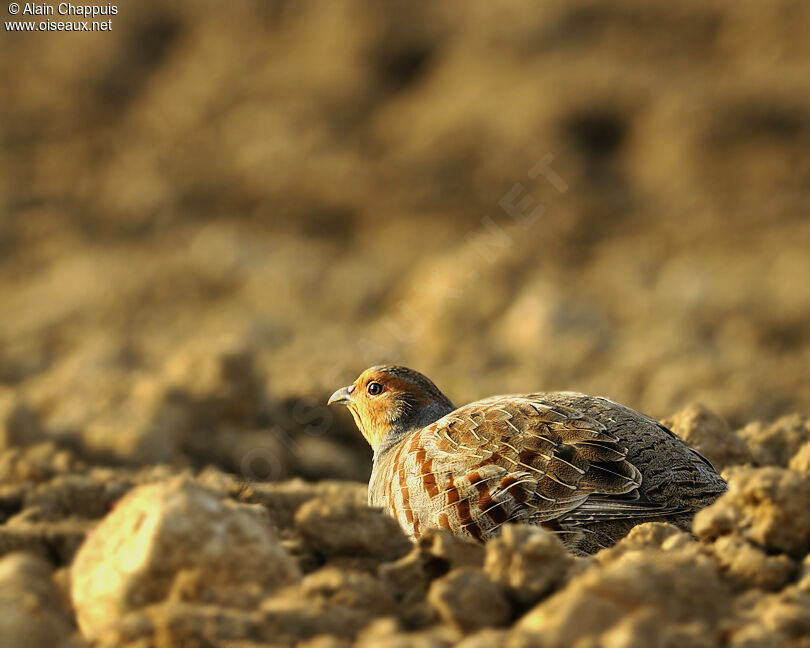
[[764, 506], [467, 599], [176, 538], [527, 562], [337, 526], [34, 614]]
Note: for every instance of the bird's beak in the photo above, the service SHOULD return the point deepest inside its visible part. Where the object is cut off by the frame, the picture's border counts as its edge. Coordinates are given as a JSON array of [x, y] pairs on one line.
[[340, 397]]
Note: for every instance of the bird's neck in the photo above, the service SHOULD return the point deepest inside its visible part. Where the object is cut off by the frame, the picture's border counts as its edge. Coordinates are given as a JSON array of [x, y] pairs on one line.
[[416, 420]]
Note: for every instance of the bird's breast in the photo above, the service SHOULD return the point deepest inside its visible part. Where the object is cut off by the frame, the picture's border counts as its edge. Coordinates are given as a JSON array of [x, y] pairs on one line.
[[407, 485], [423, 486]]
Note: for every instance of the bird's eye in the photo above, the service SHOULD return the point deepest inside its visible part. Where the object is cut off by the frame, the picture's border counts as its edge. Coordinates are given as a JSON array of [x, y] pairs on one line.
[[374, 388]]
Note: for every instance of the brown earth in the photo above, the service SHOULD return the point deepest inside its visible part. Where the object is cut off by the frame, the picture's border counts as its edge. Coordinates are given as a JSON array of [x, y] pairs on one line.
[[214, 215]]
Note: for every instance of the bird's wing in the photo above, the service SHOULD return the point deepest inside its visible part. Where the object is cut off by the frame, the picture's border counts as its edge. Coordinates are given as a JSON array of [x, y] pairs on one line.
[[610, 508], [519, 458]]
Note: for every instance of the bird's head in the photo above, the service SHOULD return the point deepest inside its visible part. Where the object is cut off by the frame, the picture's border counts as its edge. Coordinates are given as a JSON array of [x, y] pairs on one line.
[[388, 401]]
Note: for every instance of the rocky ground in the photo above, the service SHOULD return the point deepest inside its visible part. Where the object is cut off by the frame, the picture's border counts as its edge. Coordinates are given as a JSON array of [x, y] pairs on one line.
[[149, 557], [213, 216]]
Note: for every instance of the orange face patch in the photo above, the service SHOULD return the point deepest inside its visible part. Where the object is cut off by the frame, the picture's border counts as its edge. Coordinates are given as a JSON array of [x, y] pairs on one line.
[[390, 399], [372, 411]]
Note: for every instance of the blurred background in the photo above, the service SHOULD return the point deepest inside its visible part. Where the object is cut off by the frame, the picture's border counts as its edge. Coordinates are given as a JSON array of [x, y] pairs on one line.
[[216, 214]]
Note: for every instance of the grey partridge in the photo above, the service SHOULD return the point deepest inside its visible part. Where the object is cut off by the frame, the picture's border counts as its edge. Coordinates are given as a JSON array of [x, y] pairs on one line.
[[584, 467]]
